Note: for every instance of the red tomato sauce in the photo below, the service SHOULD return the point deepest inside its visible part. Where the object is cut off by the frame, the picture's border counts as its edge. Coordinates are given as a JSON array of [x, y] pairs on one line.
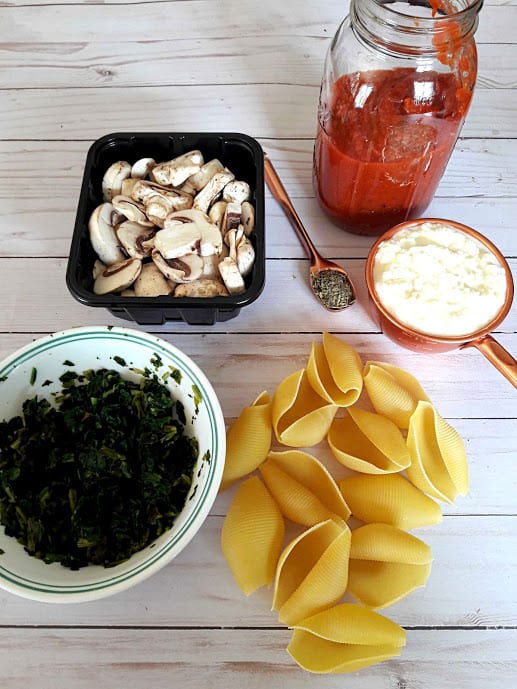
[[382, 152]]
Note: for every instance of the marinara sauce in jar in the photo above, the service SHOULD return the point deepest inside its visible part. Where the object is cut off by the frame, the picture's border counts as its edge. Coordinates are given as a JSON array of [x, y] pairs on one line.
[[397, 85]]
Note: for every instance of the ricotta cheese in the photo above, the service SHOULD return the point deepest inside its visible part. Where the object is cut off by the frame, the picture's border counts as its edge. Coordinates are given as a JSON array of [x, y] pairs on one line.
[[439, 280]]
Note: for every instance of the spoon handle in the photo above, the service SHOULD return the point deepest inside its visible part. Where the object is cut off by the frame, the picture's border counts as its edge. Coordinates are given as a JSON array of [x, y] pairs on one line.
[[277, 189]]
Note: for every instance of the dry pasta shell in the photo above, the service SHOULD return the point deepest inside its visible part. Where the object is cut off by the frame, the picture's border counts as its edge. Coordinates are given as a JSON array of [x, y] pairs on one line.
[[301, 417], [386, 564], [312, 572], [248, 440], [334, 371], [252, 536], [345, 638], [368, 443], [389, 499], [303, 488], [438, 459], [393, 392], [317, 655]]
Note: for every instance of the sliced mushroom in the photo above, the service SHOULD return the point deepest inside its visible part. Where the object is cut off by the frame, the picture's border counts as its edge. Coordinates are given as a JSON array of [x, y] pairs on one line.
[[241, 250], [182, 269], [117, 277], [176, 199], [231, 276], [157, 207], [136, 238], [178, 240], [151, 282], [127, 186], [201, 178], [130, 209], [216, 213], [209, 193], [211, 266], [231, 218], [174, 172], [98, 267], [236, 192], [248, 217], [210, 237], [102, 234], [202, 288], [142, 168], [113, 178]]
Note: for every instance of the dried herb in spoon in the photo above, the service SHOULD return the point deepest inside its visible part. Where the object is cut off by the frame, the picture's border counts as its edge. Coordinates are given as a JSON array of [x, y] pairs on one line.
[[333, 288]]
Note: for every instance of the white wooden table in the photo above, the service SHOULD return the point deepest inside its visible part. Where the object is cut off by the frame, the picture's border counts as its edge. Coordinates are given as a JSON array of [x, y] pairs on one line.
[[72, 71]]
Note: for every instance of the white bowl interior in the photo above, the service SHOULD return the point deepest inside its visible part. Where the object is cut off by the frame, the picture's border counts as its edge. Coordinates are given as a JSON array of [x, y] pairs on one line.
[[97, 347]]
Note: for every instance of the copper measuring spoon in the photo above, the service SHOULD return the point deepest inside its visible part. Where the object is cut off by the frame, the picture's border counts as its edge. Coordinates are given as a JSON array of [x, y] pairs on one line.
[[329, 282]]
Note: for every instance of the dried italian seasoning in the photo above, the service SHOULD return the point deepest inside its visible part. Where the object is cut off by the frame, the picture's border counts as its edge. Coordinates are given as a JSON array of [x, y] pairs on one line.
[[333, 288]]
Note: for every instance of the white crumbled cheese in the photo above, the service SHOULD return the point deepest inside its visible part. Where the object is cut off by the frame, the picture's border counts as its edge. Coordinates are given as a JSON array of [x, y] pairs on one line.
[[439, 280]]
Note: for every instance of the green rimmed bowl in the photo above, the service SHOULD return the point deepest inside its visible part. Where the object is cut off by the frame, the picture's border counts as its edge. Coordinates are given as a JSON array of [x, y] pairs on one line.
[[121, 349]]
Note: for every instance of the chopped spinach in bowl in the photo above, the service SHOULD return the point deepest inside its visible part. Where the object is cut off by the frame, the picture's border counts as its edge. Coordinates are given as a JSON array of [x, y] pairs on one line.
[[100, 474]]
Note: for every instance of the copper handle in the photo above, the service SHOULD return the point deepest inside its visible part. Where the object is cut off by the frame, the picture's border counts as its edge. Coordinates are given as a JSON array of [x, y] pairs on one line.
[[497, 355]]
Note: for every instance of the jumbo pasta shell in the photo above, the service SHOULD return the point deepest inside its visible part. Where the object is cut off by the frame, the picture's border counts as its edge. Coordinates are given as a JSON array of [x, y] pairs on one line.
[[304, 490], [386, 564], [334, 371], [389, 499], [368, 443], [393, 392], [301, 417], [252, 536], [439, 464], [312, 572], [345, 638], [248, 440]]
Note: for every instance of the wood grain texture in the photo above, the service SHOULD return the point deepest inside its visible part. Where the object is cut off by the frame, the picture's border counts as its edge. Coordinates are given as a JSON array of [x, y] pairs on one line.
[[73, 71]]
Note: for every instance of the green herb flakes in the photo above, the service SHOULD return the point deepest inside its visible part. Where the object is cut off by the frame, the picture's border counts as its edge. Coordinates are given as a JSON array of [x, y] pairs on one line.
[[33, 376], [100, 474], [119, 360]]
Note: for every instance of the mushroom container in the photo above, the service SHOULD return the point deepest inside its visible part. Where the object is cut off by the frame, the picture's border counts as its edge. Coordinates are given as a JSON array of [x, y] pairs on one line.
[[238, 153]]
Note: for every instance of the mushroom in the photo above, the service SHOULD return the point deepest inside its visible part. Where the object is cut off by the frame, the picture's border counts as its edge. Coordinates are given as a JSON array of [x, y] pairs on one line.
[[102, 234], [201, 178], [128, 185], [130, 208], [181, 269], [136, 238], [177, 240], [231, 218], [210, 236], [216, 212], [113, 178], [151, 282], [142, 168], [173, 198], [117, 277], [202, 288], [248, 217], [231, 276], [208, 194], [236, 192], [241, 250], [174, 172]]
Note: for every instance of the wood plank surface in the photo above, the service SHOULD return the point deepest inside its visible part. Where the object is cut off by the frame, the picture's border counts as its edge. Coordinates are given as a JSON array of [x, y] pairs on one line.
[[74, 70]]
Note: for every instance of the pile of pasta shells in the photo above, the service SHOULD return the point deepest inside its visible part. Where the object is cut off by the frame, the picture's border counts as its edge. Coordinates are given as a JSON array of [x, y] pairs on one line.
[[353, 541]]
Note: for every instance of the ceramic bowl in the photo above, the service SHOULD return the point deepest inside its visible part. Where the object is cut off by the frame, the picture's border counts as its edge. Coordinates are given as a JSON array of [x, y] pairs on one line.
[[121, 349]]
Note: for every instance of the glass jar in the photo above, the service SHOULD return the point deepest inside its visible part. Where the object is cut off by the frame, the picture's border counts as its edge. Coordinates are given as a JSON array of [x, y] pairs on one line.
[[397, 85]]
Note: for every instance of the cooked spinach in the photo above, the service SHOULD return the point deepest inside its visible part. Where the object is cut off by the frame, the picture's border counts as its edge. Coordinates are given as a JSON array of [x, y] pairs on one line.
[[100, 474]]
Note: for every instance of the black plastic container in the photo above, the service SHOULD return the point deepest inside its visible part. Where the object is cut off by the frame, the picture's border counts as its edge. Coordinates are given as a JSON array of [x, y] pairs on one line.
[[242, 154]]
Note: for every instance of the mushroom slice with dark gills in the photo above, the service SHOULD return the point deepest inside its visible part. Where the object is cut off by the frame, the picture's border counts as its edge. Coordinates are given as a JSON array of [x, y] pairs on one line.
[[181, 269], [117, 277], [210, 236], [130, 209], [103, 238], [177, 199], [136, 239], [174, 172], [177, 240]]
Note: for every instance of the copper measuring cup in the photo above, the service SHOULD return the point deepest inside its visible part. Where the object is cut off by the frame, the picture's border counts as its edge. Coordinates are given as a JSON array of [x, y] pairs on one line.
[[481, 339]]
